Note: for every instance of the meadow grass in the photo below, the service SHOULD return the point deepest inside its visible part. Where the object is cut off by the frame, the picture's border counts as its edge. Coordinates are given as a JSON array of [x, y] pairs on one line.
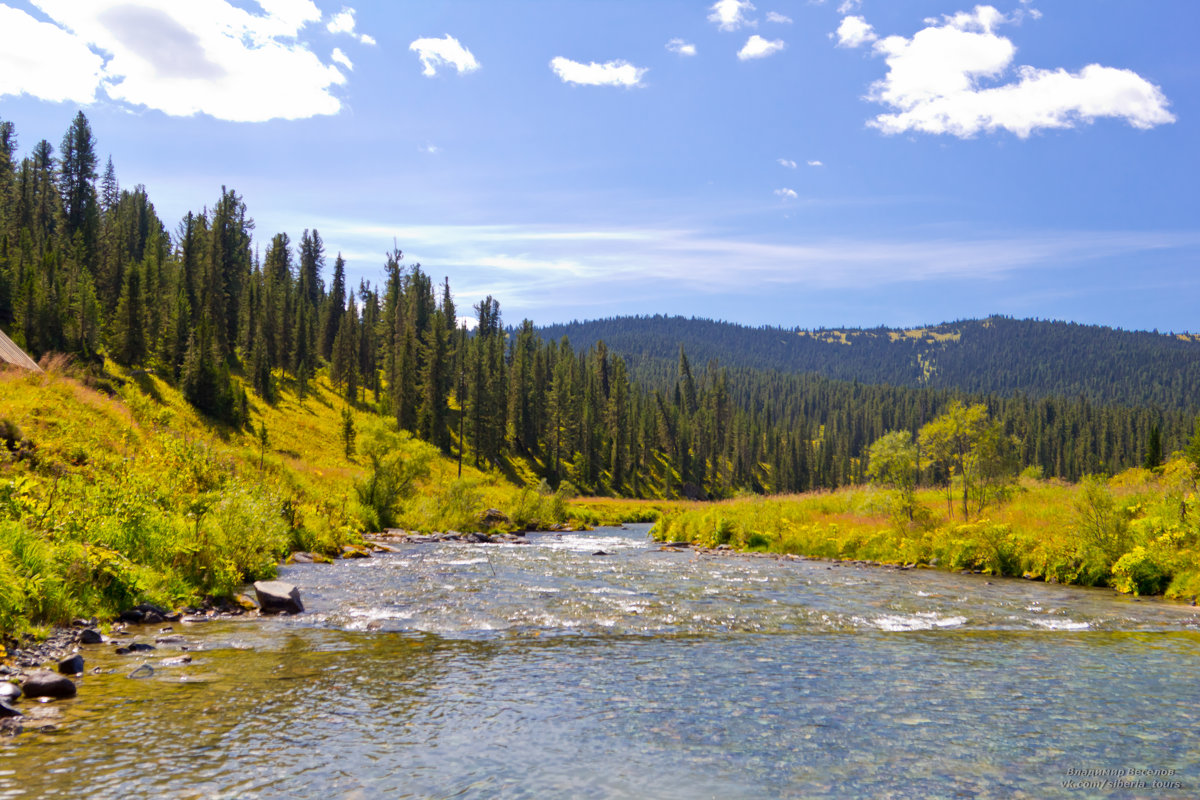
[[1138, 532]]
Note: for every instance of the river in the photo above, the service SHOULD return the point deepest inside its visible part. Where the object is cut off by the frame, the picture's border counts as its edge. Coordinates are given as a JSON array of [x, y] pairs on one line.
[[546, 671]]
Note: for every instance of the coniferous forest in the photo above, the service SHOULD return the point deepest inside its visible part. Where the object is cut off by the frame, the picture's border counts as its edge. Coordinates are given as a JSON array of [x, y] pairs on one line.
[[88, 268]]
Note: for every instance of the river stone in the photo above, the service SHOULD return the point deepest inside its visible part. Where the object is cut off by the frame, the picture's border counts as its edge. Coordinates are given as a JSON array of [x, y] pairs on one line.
[[71, 665], [8, 711], [45, 683], [277, 597], [9, 692], [494, 516], [144, 671], [90, 636]]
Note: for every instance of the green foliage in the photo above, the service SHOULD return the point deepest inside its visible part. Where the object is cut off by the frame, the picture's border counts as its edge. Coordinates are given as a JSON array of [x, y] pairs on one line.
[[348, 432], [1140, 571], [395, 461]]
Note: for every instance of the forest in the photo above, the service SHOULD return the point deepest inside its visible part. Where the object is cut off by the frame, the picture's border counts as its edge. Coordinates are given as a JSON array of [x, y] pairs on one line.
[[88, 268]]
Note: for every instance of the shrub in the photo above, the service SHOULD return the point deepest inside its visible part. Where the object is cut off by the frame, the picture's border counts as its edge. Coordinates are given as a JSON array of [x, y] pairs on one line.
[[1140, 571]]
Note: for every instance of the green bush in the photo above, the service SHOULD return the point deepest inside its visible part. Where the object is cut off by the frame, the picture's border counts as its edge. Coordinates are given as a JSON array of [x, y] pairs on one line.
[[1140, 571]]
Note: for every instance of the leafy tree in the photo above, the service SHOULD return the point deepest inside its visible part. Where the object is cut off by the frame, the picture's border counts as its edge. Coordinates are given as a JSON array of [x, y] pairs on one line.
[[893, 462], [949, 442]]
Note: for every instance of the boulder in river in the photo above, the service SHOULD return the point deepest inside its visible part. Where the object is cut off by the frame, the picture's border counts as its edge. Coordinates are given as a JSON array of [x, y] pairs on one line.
[[9, 692], [276, 597], [45, 683], [90, 636], [8, 711], [71, 665]]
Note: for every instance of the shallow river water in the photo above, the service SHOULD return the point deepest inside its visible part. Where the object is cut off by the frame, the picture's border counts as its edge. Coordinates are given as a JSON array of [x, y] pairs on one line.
[[545, 671]]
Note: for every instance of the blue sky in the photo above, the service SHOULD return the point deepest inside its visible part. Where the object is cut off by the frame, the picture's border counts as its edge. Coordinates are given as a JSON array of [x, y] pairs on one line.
[[893, 162]]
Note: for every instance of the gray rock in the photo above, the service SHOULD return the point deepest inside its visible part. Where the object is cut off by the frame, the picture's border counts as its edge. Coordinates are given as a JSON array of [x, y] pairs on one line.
[[71, 665], [144, 671], [45, 683], [494, 516], [276, 597], [90, 636], [9, 692], [8, 711]]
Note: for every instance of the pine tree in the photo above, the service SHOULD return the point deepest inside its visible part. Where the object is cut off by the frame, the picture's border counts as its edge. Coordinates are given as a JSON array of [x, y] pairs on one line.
[[130, 323], [335, 307]]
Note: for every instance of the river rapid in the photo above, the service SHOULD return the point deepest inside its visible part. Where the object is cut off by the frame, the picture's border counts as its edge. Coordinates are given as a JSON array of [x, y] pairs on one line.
[[543, 671]]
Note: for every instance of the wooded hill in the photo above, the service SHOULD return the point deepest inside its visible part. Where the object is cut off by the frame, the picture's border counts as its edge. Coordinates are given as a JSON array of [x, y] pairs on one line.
[[997, 355], [88, 268]]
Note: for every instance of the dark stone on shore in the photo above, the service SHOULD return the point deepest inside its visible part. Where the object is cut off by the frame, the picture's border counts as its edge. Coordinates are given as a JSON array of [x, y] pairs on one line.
[[494, 516], [478, 538], [90, 636], [8, 711], [144, 671], [136, 647], [9, 692], [601, 553], [132, 616], [45, 683], [71, 665], [276, 597]]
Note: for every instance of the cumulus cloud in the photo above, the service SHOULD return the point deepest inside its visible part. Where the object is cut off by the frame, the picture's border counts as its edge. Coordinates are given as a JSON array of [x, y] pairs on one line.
[[443, 52], [44, 61], [343, 22], [854, 31], [774, 16], [758, 47], [786, 194], [341, 58], [815, 163], [938, 82], [848, 6], [729, 15], [204, 56], [610, 73], [681, 48], [786, 162]]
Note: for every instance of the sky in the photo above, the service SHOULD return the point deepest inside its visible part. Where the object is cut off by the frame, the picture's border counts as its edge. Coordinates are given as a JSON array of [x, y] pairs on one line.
[[769, 162]]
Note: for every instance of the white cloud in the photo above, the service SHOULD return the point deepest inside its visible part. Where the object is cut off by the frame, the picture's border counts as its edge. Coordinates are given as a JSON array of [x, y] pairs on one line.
[[815, 163], [43, 60], [937, 83], [203, 56], [786, 162], [443, 52], [341, 58], [758, 47], [849, 5], [682, 48], [610, 73], [729, 15], [774, 16], [540, 267], [431, 149], [786, 194], [343, 22], [854, 31]]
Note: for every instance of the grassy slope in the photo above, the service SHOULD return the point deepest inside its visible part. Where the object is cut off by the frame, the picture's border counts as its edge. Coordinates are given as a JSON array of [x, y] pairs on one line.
[[114, 500], [1138, 532]]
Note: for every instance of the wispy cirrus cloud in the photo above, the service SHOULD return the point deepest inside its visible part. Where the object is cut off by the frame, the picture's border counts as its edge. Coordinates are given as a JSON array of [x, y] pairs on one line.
[[610, 73], [200, 57], [444, 52], [956, 77], [541, 267]]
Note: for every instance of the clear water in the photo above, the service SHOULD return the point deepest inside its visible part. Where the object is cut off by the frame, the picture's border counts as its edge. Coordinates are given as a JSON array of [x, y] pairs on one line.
[[543, 671]]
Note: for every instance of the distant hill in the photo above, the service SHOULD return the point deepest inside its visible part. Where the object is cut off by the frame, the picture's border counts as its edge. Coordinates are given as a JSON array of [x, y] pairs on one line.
[[997, 355]]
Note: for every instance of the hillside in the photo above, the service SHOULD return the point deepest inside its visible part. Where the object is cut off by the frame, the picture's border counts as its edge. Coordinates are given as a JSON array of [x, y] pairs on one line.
[[997, 355]]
